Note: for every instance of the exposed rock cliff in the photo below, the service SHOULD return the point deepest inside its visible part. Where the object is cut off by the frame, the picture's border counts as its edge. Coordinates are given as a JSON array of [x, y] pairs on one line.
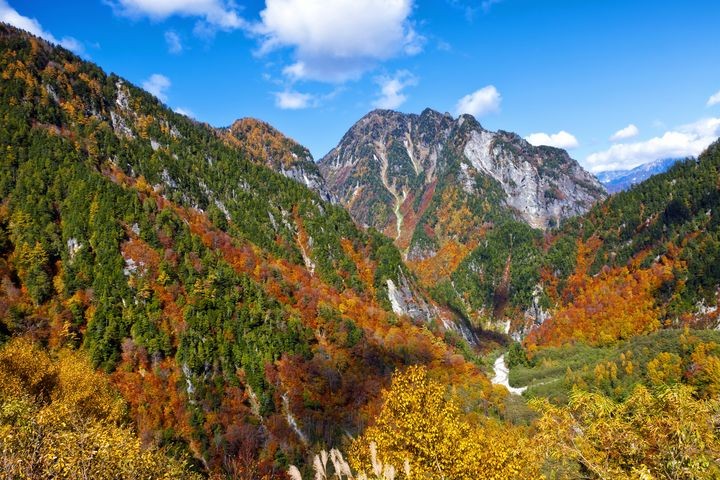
[[425, 179]]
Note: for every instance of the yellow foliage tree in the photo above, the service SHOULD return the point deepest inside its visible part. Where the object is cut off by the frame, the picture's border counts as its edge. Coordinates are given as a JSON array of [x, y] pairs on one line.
[[665, 368], [418, 424], [706, 369], [667, 433], [61, 419]]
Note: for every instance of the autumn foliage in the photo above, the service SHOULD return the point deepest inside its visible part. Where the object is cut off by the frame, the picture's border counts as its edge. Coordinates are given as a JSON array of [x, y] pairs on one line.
[[440, 266], [61, 419], [661, 433], [615, 304], [418, 424], [196, 308]]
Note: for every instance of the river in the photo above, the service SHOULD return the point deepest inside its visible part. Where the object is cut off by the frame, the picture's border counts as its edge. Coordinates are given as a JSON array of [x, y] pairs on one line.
[[501, 376]]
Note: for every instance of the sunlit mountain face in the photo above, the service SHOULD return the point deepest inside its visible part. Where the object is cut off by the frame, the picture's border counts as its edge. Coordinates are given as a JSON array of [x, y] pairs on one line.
[[380, 240]]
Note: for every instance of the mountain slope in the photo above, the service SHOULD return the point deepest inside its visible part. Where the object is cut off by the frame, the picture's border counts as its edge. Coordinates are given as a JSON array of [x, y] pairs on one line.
[[618, 180], [264, 144], [242, 317], [426, 179], [644, 259]]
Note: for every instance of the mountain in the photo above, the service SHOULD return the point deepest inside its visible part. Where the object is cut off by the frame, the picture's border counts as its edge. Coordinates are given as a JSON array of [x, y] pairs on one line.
[[640, 260], [264, 144], [241, 316], [173, 305], [466, 206], [644, 259], [426, 179], [618, 180]]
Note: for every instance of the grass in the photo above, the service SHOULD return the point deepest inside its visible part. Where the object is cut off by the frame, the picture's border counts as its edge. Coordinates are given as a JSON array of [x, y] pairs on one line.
[[547, 376]]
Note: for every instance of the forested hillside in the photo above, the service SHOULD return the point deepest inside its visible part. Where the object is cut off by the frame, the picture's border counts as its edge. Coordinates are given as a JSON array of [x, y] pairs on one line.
[[181, 301], [242, 318], [644, 259], [466, 206]]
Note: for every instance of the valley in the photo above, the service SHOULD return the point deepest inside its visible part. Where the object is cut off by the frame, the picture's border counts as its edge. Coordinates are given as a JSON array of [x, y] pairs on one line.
[[184, 301]]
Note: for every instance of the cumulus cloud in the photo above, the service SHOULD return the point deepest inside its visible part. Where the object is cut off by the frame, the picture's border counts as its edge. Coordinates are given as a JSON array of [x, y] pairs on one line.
[[391, 89], [330, 41], [339, 40], [714, 99], [561, 139], [9, 15], [173, 41], [157, 84], [214, 13], [623, 134], [480, 102], [292, 100], [684, 141]]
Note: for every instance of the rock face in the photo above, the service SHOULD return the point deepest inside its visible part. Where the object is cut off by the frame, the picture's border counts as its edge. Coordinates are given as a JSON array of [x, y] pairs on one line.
[[423, 179], [265, 145], [405, 299], [542, 184]]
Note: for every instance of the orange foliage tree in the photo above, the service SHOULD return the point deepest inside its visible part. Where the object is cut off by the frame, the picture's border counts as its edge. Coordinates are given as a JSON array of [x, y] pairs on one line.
[[615, 304]]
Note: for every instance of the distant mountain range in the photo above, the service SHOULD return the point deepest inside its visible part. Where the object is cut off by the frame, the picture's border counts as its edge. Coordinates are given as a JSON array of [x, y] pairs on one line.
[[619, 180]]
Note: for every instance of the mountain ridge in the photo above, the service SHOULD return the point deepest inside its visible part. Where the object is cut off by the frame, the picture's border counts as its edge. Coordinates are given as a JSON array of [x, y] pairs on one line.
[[618, 180], [265, 144], [236, 311], [388, 165]]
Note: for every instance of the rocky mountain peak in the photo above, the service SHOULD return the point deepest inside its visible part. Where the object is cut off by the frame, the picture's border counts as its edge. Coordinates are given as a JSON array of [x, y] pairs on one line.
[[397, 171]]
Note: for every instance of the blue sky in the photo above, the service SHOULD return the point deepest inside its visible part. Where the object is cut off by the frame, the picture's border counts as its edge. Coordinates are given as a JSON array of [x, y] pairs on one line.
[[616, 82]]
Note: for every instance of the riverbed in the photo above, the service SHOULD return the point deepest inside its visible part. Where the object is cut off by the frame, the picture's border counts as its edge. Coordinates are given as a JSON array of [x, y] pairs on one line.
[[501, 376]]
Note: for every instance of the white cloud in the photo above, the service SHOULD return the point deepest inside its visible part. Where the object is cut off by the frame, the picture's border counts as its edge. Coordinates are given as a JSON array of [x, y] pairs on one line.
[[296, 70], [338, 40], [480, 102], [714, 99], [173, 41], [11, 16], [391, 89], [291, 100], [684, 141], [561, 139], [184, 111], [471, 7], [216, 13], [157, 84], [487, 4], [623, 134]]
